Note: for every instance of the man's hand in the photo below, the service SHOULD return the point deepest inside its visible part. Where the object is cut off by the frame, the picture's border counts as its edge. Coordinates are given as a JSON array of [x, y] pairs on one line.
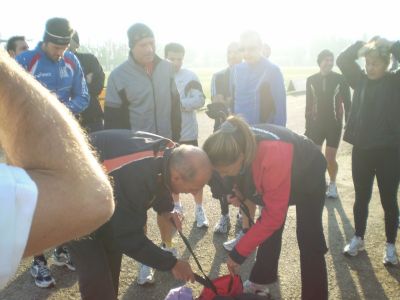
[[232, 266], [183, 271], [234, 200]]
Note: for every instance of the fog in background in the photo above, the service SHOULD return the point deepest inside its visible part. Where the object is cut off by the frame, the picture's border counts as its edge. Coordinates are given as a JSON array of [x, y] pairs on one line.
[[295, 30]]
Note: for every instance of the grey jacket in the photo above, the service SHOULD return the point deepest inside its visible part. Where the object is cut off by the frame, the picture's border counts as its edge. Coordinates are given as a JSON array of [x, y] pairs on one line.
[[138, 101]]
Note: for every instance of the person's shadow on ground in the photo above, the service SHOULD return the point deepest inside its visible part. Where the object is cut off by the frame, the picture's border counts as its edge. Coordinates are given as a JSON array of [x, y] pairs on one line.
[[340, 231]]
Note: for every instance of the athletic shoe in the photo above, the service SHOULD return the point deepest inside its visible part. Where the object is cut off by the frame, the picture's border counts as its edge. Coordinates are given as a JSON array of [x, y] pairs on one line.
[[229, 245], [172, 250], [390, 257], [223, 224], [256, 289], [201, 218], [61, 258], [356, 244], [146, 275], [42, 274], [331, 191]]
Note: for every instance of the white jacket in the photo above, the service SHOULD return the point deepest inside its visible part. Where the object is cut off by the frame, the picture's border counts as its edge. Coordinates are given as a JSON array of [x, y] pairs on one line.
[[192, 98]]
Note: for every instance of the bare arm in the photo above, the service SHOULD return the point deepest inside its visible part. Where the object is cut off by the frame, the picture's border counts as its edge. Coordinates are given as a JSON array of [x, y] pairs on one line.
[[38, 134]]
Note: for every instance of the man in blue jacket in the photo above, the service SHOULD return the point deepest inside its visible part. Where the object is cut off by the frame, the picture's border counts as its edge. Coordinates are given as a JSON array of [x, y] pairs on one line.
[[259, 90], [57, 69], [61, 73], [259, 96]]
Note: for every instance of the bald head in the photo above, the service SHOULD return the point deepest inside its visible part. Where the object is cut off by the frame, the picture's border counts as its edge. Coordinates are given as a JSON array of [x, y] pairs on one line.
[[188, 161], [190, 169]]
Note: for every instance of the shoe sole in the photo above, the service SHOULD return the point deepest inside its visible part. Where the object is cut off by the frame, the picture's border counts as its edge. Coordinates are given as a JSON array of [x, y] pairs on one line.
[[228, 248], [348, 254], [45, 285], [147, 282], [202, 225], [390, 264]]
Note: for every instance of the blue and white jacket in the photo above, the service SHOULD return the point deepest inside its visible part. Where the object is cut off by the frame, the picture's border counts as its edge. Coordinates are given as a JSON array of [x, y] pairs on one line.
[[64, 77]]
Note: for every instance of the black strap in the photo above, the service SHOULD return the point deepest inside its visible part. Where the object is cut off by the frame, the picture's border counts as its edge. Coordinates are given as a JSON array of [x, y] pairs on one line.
[[206, 281], [246, 211]]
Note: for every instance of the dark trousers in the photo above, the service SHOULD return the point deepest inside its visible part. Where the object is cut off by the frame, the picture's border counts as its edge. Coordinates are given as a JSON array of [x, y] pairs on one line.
[[311, 240], [98, 266], [385, 165], [224, 206]]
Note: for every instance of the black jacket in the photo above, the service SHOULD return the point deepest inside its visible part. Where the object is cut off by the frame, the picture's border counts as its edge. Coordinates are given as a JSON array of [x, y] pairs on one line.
[[308, 167], [374, 120], [90, 64], [138, 164], [327, 99]]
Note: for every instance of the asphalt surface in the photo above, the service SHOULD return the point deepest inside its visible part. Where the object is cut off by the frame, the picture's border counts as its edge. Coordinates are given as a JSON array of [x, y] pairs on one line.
[[361, 277]]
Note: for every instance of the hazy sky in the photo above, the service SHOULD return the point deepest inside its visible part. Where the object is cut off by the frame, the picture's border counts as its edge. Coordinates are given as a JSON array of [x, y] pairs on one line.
[[207, 24]]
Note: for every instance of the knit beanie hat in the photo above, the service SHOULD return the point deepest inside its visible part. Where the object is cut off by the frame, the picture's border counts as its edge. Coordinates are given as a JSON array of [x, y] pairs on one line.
[[137, 32], [58, 31]]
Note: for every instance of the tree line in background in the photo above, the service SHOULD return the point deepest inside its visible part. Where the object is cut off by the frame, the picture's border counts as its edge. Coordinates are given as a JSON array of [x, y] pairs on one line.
[[111, 54]]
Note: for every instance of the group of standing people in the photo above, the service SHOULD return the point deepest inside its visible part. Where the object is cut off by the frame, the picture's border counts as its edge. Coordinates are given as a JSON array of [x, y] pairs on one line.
[[151, 105]]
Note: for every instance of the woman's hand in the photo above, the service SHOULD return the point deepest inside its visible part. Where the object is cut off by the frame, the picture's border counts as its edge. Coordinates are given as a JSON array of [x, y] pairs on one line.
[[236, 198]]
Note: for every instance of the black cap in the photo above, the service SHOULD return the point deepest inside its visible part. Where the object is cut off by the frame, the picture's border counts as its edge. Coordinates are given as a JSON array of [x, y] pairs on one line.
[[137, 32], [58, 31]]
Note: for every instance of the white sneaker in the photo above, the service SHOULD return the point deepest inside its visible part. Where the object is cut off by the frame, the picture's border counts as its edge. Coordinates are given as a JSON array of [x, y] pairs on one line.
[[356, 244], [42, 274], [201, 218], [146, 275], [331, 191], [61, 258], [390, 257], [255, 288], [178, 208], [223, 224], [172, 250], [229, 245]]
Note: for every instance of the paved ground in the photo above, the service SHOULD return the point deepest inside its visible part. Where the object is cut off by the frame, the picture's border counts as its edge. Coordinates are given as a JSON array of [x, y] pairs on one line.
[[363, 277]]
